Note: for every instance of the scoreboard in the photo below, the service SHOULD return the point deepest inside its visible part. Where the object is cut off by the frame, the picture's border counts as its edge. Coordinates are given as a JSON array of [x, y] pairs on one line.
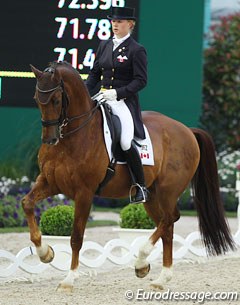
[[38, 32]]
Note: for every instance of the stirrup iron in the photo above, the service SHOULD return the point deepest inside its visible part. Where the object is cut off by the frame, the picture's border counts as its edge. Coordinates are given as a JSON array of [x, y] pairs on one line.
[[131, 198]]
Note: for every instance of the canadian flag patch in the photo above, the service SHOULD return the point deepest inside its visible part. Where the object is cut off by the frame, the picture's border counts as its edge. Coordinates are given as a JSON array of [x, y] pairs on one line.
[[144, 155], [144, 152]]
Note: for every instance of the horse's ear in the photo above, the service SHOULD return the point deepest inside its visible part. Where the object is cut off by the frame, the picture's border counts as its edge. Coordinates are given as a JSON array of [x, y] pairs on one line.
[[36, 72], [56, 76]]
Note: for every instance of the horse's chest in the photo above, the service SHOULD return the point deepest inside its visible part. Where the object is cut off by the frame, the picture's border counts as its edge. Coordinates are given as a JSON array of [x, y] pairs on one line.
[[54, 169]]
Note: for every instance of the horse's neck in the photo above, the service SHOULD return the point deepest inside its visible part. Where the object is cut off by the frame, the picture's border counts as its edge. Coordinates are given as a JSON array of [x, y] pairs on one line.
[[80, 103], [87, 140]]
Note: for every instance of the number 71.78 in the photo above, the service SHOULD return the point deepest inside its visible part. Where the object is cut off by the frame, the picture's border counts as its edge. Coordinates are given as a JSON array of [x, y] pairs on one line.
[[103, 26]]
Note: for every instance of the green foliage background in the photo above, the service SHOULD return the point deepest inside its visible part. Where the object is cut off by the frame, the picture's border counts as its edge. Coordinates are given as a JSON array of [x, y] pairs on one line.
[[221, 88]]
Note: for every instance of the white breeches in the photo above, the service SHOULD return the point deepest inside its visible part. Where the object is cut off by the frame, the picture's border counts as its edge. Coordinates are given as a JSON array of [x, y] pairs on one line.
[[120, 109]]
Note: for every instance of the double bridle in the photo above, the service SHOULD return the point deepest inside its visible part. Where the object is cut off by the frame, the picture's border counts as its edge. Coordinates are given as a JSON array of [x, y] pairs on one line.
[[63, 119]]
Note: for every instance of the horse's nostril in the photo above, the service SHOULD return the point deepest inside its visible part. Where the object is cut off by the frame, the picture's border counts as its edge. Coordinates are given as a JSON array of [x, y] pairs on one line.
[[44, 141], [53, 141], [50, 141]]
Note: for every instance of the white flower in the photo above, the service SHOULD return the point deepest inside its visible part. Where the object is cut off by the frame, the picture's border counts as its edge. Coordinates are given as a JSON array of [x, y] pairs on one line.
[[24, 179], [61, 196]]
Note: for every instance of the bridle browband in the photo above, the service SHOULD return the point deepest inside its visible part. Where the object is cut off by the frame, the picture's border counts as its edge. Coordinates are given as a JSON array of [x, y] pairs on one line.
[[63, 120], [50, 90]]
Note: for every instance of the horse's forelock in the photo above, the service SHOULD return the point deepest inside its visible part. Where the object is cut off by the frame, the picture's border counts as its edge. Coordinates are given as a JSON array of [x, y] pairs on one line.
[[68, 66], [64, 70], [46, 82]]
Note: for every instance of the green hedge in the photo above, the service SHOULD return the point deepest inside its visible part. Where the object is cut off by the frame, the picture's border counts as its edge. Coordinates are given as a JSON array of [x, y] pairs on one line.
[[57, 221], [134, 216]]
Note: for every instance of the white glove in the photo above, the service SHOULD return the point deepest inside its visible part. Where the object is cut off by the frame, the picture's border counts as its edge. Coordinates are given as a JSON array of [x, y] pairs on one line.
[[110, 95]]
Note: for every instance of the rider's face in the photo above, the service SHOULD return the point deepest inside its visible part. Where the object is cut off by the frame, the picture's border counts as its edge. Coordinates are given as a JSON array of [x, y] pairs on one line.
[[121, 28]]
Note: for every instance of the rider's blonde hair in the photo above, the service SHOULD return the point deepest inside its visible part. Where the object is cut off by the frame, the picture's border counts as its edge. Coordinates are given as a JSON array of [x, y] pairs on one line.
[[133, 23]]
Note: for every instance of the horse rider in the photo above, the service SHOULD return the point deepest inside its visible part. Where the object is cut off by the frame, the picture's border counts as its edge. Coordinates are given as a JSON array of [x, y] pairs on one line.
[[121, 68]]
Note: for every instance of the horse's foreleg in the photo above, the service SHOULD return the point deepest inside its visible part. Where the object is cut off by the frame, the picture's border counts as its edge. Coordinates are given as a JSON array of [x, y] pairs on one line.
[[82, 210], [40, 190]]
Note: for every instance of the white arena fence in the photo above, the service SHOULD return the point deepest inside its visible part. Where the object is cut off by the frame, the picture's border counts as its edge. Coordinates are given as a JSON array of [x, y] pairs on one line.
[[105, 253], [94, 255]]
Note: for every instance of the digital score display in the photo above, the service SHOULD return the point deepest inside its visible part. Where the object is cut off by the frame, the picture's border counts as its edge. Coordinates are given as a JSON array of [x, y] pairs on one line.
[[38, 32]]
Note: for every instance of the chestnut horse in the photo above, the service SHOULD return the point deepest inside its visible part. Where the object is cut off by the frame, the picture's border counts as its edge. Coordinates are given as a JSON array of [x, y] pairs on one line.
[[73, 161]]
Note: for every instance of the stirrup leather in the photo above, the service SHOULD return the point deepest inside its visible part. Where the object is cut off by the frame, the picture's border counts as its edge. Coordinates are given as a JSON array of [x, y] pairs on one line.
[[131, 198]]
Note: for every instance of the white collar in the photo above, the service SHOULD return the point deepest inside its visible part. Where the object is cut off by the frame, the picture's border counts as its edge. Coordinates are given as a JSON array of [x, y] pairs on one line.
[[121, 40]]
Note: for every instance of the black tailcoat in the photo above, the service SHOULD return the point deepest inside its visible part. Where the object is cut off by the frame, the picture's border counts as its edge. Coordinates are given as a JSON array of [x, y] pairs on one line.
[[125, 70]]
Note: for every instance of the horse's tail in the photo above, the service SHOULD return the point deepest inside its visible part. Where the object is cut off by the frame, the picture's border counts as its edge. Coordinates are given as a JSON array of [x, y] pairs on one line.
[[213, 226]]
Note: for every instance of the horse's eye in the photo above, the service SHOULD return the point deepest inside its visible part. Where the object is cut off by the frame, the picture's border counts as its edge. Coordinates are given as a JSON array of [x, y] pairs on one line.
[[56, 102]]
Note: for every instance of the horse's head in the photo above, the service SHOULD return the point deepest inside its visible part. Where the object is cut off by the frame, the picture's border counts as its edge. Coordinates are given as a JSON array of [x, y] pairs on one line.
[[52, 102]]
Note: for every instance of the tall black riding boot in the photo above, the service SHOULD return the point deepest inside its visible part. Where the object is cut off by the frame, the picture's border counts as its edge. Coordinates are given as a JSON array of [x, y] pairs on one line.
[[134, 162]]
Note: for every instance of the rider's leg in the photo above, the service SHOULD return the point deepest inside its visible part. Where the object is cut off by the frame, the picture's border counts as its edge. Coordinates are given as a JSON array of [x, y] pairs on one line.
[[131, 153], [134, 161]]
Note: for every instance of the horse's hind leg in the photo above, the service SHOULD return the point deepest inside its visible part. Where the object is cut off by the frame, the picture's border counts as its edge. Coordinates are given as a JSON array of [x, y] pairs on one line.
[[142, 267], [165, 231], [165, 211]]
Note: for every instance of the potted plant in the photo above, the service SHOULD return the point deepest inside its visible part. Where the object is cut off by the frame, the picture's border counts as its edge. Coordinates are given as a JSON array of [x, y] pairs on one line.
[[56, 224], [134, 222]]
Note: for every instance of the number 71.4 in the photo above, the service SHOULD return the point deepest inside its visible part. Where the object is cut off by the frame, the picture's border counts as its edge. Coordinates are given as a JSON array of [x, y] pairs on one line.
[[87, 61]]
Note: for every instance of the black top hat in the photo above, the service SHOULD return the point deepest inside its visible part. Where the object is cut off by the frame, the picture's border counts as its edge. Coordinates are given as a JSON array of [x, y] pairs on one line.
[[122, 13]]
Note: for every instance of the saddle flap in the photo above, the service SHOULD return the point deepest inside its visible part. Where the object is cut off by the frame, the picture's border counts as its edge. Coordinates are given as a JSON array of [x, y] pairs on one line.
[[144, 147], [114, 125]]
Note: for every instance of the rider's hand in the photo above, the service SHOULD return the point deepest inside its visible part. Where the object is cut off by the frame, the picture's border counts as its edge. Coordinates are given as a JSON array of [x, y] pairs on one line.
[[110, 95]]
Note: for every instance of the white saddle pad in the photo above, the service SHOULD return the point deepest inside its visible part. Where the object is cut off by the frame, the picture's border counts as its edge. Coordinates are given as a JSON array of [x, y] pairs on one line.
[[145, 150]]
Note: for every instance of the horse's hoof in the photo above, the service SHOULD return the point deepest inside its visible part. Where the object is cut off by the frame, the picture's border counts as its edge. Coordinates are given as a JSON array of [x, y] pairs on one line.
[[62, 287], [141, 273], [156, 285], [48, 258], [165, 276]]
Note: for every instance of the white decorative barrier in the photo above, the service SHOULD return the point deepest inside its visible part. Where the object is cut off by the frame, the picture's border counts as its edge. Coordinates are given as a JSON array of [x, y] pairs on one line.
[[105, 253]]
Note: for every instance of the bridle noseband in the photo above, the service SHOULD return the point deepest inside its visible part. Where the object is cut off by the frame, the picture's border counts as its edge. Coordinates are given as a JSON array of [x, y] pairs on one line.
[[63, 120]]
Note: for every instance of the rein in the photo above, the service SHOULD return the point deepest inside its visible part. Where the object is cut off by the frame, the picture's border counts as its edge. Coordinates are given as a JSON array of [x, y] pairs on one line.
[[90, 114], [63, 120]]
